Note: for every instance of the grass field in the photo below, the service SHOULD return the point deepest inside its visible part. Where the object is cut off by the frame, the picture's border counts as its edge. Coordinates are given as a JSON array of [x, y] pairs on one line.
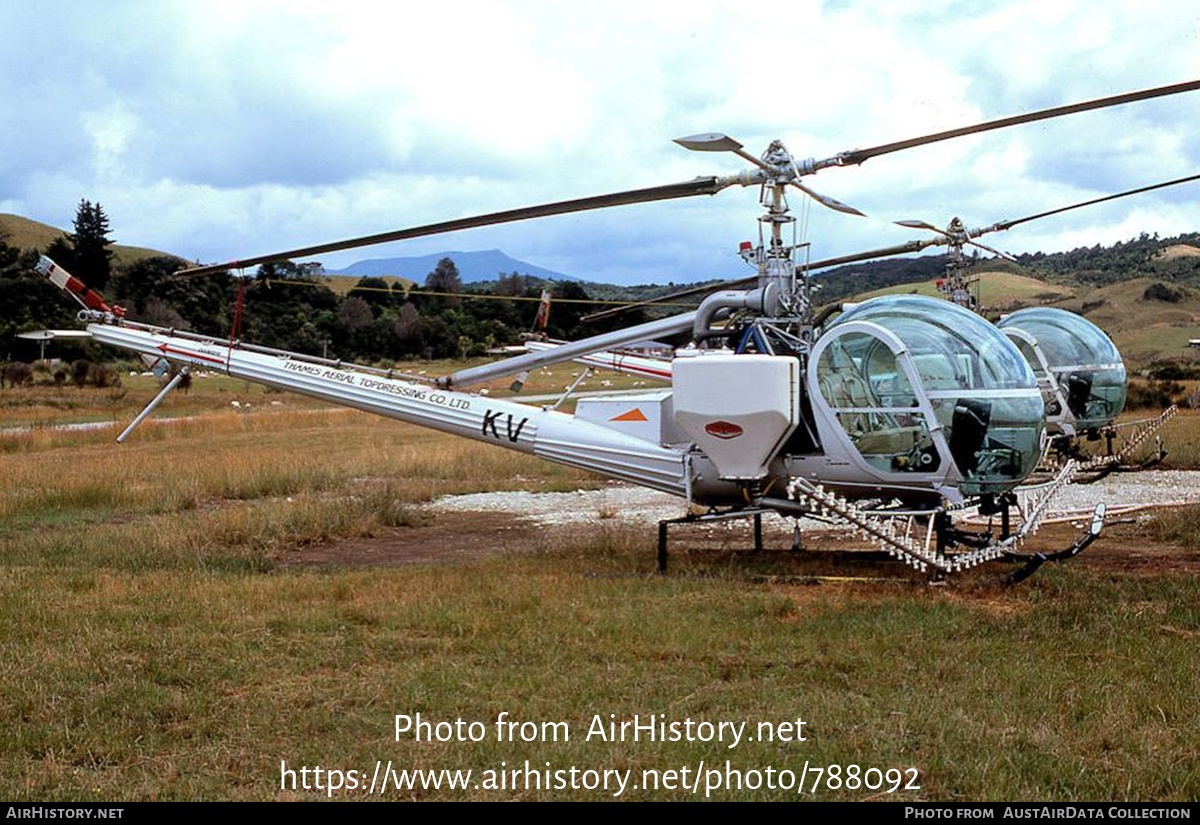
[[163, 639], [995, 290]]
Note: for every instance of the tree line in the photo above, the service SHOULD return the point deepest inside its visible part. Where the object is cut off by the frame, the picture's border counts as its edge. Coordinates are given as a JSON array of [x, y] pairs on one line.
[[286, 305], [290, 306]]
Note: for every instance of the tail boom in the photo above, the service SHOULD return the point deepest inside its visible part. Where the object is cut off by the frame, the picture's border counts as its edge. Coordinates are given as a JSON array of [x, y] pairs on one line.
[[547, 434]]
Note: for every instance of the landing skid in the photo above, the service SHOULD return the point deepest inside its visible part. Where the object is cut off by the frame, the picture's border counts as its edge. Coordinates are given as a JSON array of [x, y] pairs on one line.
[[1033, 562], [1095, 470]]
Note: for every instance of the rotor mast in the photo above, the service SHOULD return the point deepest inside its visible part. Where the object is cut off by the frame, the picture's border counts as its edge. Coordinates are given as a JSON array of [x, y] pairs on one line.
[[956, 267], [786, 299], [776, 267]]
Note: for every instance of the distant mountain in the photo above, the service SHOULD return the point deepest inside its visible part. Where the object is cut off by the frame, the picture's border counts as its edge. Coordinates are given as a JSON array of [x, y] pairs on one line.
[[485, 265]]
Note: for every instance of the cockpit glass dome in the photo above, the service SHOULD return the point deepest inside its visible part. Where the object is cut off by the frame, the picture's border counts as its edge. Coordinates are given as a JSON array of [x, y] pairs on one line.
[[953, 347], [983, 392], [1084, 361]]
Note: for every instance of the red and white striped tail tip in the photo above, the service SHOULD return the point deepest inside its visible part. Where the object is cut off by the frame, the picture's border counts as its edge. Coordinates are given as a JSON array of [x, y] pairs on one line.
[[74, 287]]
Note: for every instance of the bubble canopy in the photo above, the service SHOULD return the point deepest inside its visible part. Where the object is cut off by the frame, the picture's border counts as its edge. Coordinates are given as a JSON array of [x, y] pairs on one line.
[[953, 347], [1086, 366], [978, 406]]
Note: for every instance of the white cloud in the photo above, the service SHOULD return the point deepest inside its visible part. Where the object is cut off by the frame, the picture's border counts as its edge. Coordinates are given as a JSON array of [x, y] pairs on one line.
[[110, 129], [223, 130]]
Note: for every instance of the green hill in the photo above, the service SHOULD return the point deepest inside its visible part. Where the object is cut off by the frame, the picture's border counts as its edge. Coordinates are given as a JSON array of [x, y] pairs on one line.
[[995, 289], [24, 233], [1146, 321]]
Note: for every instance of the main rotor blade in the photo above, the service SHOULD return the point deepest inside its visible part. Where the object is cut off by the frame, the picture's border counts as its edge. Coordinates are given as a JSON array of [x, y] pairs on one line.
[[857, 156], [919, 224], [1002, 225], [825, 200], [1003, 255], [911, 246], [699, 186], [947, 237]]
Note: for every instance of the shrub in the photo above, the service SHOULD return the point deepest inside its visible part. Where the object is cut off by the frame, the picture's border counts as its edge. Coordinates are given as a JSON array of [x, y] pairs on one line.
[[1154, 394], [1173, 371], [1162, 292], [16, 374]]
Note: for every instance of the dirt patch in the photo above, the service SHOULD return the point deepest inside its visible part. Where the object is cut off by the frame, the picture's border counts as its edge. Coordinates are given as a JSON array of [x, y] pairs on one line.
[[1128, 548], [452, 536], [444, 537]]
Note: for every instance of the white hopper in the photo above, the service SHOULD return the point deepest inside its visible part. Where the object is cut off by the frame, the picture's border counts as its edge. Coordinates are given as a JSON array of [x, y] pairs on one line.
[[738, 409]]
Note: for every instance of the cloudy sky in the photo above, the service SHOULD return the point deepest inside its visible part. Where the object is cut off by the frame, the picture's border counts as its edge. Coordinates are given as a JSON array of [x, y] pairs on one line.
[[223, 129]]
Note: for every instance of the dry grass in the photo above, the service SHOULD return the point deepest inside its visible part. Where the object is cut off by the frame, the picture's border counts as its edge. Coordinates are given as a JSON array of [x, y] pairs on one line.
[[344, 284], [1177, 525], [1179, 250], [65, 478], [153, 649], [1180, 435], [43, 406]]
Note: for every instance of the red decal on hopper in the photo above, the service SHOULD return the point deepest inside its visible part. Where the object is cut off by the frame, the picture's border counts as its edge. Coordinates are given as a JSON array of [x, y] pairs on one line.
[[723, 429]]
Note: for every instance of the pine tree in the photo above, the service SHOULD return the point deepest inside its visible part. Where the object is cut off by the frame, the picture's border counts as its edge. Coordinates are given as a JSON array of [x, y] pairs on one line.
[[93, 258]]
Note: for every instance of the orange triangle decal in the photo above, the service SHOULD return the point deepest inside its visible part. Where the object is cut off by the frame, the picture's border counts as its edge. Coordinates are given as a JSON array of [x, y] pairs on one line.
[[633, 415]]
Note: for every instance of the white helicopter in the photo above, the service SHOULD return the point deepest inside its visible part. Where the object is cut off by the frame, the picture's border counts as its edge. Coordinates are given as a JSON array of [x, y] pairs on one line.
[[1079, 369], [886, 419]]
